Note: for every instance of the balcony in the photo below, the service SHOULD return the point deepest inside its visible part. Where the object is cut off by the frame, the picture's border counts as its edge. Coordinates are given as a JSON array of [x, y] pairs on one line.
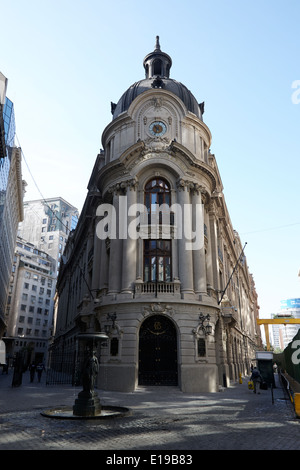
[[157, 289]]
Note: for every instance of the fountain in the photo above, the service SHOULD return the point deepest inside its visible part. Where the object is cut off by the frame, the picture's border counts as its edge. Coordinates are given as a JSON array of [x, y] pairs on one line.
[[87, 405]]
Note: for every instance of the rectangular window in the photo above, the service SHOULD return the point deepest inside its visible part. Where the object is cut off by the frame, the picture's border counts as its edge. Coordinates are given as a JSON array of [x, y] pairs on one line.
[[157, 260], [201, 347]]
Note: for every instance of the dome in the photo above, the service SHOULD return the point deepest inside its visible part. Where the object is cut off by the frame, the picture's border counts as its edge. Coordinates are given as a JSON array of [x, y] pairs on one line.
[[157, 65]]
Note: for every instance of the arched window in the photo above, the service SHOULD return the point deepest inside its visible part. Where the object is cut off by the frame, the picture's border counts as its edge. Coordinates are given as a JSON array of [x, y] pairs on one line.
[[157, 193], [157, 67], [157, 252]]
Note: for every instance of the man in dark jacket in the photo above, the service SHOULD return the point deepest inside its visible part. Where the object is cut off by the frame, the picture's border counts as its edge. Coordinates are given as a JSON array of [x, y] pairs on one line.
[[40, 367], [256, 378]]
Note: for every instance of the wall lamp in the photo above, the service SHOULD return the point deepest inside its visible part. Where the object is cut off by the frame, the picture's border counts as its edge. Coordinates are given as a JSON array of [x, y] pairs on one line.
[[207, 329], [113, 317]]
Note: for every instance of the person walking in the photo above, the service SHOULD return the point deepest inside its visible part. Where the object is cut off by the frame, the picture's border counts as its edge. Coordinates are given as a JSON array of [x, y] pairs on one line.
[[256, 378], [32, 371], [40, 367]]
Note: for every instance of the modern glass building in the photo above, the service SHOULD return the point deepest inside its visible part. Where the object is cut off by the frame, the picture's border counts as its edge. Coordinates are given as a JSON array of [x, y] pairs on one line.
[[9, 133], [284, 334]]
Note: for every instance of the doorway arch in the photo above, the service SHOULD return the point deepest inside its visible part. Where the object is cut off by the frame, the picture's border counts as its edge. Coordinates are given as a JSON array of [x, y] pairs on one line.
[[158, 352]]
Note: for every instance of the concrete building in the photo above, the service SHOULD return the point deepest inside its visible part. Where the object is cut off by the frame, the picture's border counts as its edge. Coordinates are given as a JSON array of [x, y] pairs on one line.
[[154, 261], [11, 196], [30, 303], [47, 225], [284, 334]]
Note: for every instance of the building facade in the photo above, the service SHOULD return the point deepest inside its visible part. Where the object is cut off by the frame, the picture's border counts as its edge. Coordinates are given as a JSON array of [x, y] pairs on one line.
[[30, 303], [12, 190], [154, 261], [47, 225], [284, 334]]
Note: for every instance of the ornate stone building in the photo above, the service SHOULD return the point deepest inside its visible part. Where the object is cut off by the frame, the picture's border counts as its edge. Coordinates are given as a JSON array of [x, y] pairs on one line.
[[169, 286]]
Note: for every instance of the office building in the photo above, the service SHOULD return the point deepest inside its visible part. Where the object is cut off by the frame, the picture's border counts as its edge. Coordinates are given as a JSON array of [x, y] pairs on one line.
[[30, 303], [154, 261], [284, 334], [12, 190]]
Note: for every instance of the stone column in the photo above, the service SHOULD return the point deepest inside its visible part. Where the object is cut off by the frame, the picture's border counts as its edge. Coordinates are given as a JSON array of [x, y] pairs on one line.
[[129, 258], [115, 251], [199, 267], [213, 242], [209, 272], [104, 266], [185, 257]]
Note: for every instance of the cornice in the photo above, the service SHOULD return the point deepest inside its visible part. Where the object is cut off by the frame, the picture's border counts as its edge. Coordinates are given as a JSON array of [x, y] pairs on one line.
[[202, 166]]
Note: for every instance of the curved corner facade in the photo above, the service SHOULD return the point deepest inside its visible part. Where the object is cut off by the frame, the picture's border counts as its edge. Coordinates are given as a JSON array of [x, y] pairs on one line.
[[154, 261]]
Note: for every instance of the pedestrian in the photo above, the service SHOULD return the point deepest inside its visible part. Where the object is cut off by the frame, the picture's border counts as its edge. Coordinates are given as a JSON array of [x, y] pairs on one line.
[[40, 367], [32, 371], [256, 378]]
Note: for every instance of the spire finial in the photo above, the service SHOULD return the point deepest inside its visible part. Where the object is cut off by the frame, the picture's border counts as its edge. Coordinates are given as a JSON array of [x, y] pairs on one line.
[[157, 45]]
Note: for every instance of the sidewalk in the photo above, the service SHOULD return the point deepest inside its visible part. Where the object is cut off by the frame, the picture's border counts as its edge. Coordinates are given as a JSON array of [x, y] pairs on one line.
[[162, 418]]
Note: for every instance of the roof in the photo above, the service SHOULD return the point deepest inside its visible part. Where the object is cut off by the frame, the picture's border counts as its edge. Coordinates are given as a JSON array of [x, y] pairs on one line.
[[168, 84], [157, 65]]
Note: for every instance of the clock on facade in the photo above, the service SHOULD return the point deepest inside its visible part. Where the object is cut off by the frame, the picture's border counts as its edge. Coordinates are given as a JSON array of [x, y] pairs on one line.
[[157, 128]]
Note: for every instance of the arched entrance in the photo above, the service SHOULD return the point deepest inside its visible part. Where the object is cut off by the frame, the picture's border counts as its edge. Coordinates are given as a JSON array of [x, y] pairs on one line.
[[158, 352]]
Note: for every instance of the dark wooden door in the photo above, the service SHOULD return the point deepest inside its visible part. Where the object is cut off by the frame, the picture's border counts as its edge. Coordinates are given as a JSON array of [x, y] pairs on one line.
[[158, 352]]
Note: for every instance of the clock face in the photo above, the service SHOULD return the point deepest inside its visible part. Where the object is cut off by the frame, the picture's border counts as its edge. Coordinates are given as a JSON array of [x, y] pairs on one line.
[[157, 128]]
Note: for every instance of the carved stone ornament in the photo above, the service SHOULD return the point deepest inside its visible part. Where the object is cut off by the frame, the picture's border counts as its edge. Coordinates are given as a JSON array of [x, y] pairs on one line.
[[158, 308]]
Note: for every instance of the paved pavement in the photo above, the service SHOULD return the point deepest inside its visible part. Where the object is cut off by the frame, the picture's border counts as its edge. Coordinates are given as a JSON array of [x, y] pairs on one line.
[[161, 418]]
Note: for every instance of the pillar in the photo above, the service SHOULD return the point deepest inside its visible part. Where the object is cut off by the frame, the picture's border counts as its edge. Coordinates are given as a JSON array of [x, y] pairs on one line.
[[199, 263], [129, 257], [185, 257], [115, 251]]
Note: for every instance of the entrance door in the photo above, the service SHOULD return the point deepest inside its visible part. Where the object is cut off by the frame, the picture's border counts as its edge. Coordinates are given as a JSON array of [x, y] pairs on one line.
[[158, 352]]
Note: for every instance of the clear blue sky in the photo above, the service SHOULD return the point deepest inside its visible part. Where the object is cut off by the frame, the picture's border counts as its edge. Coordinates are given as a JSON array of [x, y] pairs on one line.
[[67, 60]]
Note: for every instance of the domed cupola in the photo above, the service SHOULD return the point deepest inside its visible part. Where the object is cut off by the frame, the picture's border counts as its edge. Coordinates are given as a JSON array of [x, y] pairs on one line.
[[157, 66], [157, 63]]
